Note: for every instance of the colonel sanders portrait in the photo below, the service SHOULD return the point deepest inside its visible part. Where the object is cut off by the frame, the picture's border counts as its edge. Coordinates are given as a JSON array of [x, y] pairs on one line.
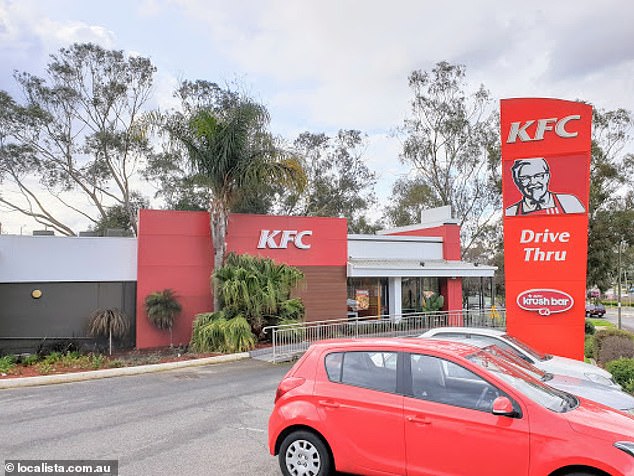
[[532, 178]]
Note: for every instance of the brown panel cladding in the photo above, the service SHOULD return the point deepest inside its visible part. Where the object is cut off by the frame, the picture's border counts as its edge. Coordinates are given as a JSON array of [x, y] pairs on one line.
[[324, 292]]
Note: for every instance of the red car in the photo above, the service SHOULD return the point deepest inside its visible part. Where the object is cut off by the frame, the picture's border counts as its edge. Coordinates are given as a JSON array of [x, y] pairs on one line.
[[426, 407]]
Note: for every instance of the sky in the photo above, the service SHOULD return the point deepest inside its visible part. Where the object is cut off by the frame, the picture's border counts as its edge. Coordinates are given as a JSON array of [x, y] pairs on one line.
[[326, 65]]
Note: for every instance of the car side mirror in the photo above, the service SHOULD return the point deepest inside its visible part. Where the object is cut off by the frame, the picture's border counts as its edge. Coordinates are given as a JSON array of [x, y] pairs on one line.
[[503, 406]]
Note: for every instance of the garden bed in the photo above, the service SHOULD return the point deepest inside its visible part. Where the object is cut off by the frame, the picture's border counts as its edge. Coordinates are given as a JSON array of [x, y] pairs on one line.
[[57, 363]]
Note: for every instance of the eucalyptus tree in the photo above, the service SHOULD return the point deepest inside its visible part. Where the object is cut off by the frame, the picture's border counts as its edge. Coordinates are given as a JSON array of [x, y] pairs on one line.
[[229, 151], [339, 182], [71, 148], [611, 224], [451, 143]]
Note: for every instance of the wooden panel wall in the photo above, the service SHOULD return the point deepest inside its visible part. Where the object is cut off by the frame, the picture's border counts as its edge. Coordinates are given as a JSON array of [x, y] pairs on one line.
[[324, 292]]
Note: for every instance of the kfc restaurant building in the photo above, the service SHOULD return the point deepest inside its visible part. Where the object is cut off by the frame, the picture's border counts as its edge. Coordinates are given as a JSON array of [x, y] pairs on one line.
[[345, 275]]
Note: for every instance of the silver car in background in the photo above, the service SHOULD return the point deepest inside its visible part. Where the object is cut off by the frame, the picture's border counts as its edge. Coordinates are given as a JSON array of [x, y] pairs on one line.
[[608, 396], [553, 364]]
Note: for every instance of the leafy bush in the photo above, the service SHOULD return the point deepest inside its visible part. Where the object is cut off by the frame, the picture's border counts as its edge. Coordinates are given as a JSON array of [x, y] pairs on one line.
[[7, 363], [30, 359], [432, 302], [616, 347], [623, 372], [589, 345], [600, 336], [590, 330], [258, 289], [213, 332]]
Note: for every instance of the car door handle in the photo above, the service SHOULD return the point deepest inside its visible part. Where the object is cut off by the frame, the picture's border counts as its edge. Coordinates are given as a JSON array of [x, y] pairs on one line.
[[418, 420], [329, 404]]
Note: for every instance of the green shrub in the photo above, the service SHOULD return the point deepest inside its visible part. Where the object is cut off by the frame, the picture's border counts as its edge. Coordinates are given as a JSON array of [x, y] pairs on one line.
[[7, 363], [31, 359], [589, 345], [52, 358], [623, 372], [213, 332], [589, 328], [432, 303], [44, 368], [238, 335], [96, 361], [600, 336]]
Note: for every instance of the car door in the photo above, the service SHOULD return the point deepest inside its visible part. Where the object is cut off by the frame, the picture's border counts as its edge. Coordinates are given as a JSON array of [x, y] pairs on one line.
[[449, 426], [362, 412]]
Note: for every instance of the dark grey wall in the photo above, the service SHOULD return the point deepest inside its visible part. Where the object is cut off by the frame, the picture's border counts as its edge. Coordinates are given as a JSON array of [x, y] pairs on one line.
[[62, 311]]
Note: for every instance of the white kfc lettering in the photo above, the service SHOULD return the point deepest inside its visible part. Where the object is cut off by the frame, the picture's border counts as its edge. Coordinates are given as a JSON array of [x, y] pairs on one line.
[[519, 130], [269, 239]]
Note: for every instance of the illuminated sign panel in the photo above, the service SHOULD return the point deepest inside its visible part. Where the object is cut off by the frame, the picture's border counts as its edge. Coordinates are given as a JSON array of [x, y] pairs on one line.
[[545, 181]]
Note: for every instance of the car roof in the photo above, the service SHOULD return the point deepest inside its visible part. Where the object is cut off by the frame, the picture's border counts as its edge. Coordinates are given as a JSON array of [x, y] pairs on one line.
[[483, 331], [480, 343], [397, 344]]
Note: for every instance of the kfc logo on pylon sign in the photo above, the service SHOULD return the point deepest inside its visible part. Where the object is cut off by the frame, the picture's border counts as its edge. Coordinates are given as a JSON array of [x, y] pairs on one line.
[[280, 239], [545, 301], [522, 130]]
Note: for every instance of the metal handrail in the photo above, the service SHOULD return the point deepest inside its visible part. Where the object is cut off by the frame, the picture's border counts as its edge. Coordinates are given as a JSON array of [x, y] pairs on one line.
[[290, 340]]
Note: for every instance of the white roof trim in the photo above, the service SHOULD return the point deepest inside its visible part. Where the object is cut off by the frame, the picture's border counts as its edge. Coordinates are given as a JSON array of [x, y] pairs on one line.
[[413, 268], [396, 238]]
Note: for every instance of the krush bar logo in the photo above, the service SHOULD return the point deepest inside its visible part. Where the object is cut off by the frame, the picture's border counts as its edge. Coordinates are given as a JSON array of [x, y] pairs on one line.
[[545, 301]]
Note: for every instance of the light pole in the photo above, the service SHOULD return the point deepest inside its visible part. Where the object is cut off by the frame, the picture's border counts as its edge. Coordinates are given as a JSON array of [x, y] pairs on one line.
[[618, 287]]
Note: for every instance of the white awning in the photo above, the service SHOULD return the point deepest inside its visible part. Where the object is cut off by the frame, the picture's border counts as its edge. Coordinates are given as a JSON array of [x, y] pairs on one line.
[[358, 268]]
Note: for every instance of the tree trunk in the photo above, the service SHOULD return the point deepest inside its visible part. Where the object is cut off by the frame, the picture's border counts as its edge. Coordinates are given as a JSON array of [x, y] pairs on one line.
[[218, 234]]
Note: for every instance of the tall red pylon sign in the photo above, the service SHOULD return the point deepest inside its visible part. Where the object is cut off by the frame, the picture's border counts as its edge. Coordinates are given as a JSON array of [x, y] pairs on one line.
[[545, 189]]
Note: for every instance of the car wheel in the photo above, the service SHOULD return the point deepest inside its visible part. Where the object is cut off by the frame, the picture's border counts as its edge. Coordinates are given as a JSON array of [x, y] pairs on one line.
[[303, 454]]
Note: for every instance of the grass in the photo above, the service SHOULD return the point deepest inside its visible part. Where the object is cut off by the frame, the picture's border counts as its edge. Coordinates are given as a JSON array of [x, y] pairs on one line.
[[601, 322]]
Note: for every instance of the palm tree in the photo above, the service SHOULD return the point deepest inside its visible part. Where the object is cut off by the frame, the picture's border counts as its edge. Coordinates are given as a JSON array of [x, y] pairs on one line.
[[108, 322], [231, 151], [161, 308]]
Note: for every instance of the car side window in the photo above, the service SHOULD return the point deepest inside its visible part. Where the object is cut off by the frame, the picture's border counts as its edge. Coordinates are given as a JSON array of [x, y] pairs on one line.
[[373, 370], [443, 381]]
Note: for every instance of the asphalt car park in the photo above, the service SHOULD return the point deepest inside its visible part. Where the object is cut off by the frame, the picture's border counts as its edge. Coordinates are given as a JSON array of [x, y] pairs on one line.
[[200, 421]]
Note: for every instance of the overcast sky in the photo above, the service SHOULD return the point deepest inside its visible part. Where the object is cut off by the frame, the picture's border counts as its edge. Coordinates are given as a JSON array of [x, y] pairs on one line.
[[330, 64]]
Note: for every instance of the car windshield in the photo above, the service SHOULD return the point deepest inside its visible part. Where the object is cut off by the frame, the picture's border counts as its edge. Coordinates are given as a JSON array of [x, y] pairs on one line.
[[515, 360], [529, 350], [540, 393]]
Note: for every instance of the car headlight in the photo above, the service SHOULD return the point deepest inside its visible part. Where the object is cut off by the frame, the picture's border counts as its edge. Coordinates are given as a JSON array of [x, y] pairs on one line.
[[601, 380], [626, 446]]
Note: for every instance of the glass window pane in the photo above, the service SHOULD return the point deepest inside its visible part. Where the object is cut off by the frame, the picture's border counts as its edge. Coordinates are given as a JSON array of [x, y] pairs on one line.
[[442, 381], [373, 370]]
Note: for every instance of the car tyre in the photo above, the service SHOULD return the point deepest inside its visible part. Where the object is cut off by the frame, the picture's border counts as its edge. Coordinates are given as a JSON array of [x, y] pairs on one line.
[[303, 453]]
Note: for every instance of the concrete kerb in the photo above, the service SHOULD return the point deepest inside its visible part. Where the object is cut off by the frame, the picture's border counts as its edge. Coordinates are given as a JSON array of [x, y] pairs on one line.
[[117, 372]]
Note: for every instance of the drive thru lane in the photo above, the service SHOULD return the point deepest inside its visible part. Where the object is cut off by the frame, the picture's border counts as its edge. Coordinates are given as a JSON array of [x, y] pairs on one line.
[[199, 421]]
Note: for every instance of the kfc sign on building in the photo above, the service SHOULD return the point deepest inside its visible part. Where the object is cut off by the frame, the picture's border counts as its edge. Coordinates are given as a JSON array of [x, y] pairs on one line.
[[276, 239], [545, 178], [297, 241]]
